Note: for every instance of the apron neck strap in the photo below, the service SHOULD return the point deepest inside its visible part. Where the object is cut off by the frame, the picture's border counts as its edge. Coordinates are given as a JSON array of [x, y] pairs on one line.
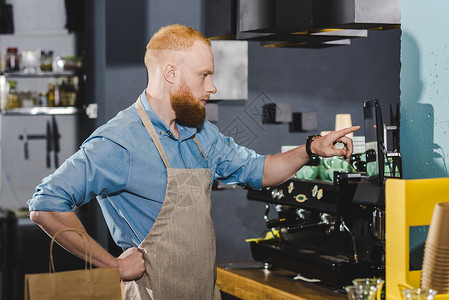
[[199, 146], [150, 128]]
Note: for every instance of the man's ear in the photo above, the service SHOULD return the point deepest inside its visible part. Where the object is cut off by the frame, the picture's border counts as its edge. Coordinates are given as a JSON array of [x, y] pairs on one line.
[[170, 73]]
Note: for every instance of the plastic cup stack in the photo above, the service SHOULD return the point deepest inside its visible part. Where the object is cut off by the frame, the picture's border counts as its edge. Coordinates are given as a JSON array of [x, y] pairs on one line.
[[435, 268], [419, 294], [365, 288]]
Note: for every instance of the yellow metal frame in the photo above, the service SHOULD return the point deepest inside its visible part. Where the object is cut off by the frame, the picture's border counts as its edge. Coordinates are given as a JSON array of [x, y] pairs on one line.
[[408, 203]]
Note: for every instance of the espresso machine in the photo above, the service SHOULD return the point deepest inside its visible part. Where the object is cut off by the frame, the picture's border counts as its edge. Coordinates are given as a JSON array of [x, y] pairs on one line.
[[334, 230], [329, 231]]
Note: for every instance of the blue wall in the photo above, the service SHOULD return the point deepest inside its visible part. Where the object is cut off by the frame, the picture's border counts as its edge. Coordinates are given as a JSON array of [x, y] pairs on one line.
[[425, 88]]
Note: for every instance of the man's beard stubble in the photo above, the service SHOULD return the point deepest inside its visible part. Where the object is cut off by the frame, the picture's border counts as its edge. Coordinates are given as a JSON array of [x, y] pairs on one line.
[[188, 110]]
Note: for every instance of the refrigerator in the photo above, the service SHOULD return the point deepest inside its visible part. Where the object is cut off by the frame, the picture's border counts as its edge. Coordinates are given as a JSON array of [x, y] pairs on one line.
[[33, 144]]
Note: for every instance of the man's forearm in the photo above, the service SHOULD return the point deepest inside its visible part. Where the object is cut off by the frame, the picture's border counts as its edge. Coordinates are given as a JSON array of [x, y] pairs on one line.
[[282, 166], [130, 263], [52, 222]]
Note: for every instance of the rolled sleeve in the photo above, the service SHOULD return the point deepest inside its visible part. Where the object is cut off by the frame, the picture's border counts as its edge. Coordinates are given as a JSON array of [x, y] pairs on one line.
[[99, 167], [236, 164]]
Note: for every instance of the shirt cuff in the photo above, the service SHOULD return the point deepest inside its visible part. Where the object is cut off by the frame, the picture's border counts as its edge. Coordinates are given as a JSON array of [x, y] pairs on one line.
[[45, 203], [255, 179]]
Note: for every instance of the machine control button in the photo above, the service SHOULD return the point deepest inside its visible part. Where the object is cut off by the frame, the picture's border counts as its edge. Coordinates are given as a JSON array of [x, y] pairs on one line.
[[300, 198], [320, 194], [274, 193], [280, 194], [314, 190], [290, 187]]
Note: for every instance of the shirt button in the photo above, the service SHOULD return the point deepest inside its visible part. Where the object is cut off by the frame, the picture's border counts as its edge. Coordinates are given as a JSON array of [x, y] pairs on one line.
[[161, 133]]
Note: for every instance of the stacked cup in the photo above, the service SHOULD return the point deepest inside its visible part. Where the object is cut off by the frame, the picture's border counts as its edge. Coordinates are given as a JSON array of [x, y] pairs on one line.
[[365, 289], [357, 293], [419, 294], [343, 121], [435, 268]]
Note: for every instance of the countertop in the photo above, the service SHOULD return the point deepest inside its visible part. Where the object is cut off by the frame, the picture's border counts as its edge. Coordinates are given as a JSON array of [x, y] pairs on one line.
[[249, 282]]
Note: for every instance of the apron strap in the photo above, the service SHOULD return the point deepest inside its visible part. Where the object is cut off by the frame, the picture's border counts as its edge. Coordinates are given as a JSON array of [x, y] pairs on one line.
[[199, 146], [150, 128]]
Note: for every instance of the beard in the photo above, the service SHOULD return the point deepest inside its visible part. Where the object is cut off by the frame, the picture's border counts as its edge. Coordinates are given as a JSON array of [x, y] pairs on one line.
[[189, 111]]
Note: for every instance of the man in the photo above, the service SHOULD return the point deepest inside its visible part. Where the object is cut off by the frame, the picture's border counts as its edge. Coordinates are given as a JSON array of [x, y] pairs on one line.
[[151, 167]]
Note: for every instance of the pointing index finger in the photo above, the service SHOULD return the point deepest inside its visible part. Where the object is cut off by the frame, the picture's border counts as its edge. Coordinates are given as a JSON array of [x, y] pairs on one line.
[[345, 131]]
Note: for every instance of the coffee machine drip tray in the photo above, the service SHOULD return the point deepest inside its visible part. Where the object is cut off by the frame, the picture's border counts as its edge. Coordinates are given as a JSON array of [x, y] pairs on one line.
[[331, 269]]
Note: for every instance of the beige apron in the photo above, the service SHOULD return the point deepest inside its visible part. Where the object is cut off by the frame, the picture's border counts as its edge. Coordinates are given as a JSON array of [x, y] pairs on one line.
[[179, 250]]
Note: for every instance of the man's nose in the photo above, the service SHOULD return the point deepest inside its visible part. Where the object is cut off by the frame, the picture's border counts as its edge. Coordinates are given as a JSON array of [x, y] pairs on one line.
[[211, 88]]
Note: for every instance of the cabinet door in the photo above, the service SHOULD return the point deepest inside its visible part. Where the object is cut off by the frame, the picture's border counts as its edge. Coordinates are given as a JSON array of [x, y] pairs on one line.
[[32, 147]]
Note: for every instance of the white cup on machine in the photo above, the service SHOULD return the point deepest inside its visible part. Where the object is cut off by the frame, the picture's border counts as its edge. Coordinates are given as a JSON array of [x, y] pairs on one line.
[[343, 121]]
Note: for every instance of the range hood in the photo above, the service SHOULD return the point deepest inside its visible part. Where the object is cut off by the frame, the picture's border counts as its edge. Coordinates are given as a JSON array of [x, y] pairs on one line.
[[299, 23], [361, 14], [275, 16], [312, 43], [288, 16], [313, 37]]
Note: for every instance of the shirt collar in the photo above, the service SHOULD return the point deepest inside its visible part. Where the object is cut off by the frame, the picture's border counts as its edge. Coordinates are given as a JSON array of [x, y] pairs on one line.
[[160, 127]]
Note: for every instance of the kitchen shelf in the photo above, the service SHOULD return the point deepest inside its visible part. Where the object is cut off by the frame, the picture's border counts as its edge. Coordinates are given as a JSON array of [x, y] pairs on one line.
[[68, 110], [39, 74]]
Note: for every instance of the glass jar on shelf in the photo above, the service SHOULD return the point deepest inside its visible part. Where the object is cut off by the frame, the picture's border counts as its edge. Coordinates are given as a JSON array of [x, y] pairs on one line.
[[28, 98], [30, 61], [12, 60], [46, 61]]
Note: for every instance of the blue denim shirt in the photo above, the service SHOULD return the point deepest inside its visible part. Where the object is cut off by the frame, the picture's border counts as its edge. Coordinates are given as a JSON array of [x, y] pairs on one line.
[[119, 166]]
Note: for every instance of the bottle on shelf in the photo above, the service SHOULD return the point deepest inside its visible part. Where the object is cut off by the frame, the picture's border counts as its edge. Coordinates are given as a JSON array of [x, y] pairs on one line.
[[12, 100], [57, 93], [51, 95], [69, 93], [42, 99], [4, 90]]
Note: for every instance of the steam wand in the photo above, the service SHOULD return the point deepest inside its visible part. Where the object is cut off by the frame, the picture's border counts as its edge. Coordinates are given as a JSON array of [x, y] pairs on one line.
[[344, 227]]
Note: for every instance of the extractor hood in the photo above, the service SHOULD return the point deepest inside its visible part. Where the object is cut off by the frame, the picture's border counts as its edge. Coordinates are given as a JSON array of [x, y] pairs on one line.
[[275, 16], [299, 23], [361, 14], [315, 44], [288, 16]]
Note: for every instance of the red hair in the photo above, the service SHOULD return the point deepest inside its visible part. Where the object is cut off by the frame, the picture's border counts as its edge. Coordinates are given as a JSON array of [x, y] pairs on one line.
[[175, 37]]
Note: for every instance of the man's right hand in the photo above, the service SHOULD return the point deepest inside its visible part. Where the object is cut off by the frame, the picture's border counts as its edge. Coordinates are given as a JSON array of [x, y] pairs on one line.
[[131, 265]]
